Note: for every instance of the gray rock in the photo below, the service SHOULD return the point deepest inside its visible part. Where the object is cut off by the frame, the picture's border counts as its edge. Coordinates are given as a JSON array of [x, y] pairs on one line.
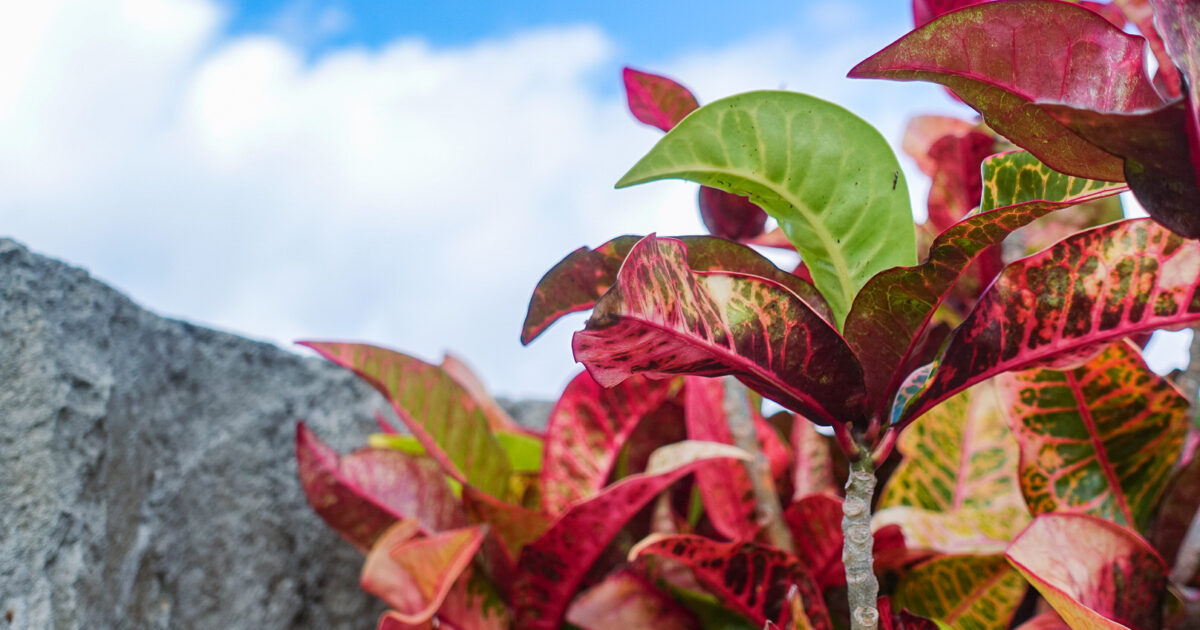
[[147, 477]]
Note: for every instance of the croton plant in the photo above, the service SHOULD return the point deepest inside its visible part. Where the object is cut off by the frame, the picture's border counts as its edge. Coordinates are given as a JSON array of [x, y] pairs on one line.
[[983, 367]]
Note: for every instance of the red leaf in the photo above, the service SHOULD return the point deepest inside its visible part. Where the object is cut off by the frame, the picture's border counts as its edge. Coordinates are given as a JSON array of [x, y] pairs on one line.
[[471, 604], [923, 131], [663, 318], [724, 486], [1097, 286], [813, 466], [730, 216], [815, 522], [925, 11], [1142, 15], [751, 579], [1092, 572], [359, 496], [510, 528], [578, 280], [441, 415], [657, 100], [1003, 57], [888, 322], [552, 567], [587, 429], [1048, 620], [414, 575], [889, 619], [957, 182], [627, 600]]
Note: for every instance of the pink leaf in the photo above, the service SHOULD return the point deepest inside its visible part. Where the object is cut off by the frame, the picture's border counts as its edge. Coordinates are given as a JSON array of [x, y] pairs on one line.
[[813, 466], [664, 318], [724, 486], [586, 432], [628, 600], [362, 494], [657, 100], [414, 575]]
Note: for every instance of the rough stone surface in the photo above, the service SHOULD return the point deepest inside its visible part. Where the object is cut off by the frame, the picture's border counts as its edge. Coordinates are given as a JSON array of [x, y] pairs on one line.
[[146, 467]]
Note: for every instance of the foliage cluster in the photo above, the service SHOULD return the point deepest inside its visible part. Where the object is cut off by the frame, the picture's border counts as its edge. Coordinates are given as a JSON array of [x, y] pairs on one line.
[[1034, 472]]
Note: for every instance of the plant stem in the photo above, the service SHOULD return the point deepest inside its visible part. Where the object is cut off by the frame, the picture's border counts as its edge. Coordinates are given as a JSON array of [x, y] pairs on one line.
[[863, 588], [766, 499]]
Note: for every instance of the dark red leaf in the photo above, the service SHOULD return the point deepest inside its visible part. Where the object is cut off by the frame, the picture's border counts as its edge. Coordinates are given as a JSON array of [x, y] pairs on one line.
[[1004, 57], [587, 429], [362, 494], [724, 486], [890, 619], [664, 318], [730, 216], [657, 100], [1097, 286], [751, 579], [1178, 507], [957, 181], [552, 567]]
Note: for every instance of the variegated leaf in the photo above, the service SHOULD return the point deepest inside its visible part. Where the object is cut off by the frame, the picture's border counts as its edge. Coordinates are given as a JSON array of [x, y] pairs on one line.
[[1097, 286], [1101, 439], [586, 431], [362, 494], [664, 318], [751, 579], [827, 177], [578, 280], [963, 591], [414, 575], [498, 418], [471, 604], [1096, 574], [443, 416], [956, 489], [890, 314]]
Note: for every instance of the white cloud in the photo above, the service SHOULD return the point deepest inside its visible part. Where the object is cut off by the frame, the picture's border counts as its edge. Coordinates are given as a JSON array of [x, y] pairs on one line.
[[411, 196]]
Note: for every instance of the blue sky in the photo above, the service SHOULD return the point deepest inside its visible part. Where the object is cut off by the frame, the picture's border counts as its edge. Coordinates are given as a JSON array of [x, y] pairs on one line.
[[393, 172]]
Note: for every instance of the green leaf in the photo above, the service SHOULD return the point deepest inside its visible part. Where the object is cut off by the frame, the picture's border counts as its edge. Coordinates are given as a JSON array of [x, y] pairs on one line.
[[524, 451], [1100, 439], [975, 592], [825, 175]]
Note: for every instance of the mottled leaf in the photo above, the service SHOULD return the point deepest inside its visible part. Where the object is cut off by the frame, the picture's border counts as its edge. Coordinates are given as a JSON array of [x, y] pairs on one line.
[[1100, 439], [1002, 58], [552, 567], [663, 318], [751, 579], [813, 465], [586, 431], [815, 523], [657, 100], [1097, 286], [724, 486], [885, 326], [498, 418], [963, 591], [730, 216], [827, 177], [443, 416], [414, 575], [1096, 574], [628, 600], [956, 489], [576, 282], [362, 494]]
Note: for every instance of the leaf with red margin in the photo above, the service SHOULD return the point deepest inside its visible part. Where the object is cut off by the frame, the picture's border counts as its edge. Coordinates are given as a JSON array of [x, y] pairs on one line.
[[578, 280], [626, 599], [414, 575], [924, 11], [903, 620], [664, 318], [956, 489], [812, 470], [657, 100], [724, 486], [1100, 439], [730, 216], [362, 494], [1077, 561], [1004, 57], [471, 604], [751, 579], [890, 315], [957, 181], [963, 591], [1094, 287], [587, 429], [815, 523], [443, 416], [498, 418], [1179, 504], [552, 567]]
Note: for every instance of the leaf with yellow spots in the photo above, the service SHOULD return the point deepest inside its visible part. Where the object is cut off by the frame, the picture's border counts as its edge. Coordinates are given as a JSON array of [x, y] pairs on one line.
[[963, 591], [1101, 439], [956, 489], [1077, 561], [663, 318]]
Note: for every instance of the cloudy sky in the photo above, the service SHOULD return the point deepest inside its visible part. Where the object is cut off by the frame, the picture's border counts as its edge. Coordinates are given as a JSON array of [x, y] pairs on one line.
[[395, 171]]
